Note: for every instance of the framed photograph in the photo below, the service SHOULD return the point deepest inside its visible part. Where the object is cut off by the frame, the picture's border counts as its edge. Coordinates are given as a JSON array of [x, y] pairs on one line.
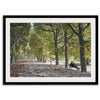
[[50, 50]]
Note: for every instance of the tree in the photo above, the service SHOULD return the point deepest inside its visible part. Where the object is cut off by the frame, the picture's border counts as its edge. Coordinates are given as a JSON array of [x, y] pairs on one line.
[[82, 42], [19, 36]]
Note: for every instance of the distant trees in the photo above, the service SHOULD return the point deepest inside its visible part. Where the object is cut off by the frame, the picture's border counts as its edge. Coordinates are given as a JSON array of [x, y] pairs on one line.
[[51, 31], [54, 30]]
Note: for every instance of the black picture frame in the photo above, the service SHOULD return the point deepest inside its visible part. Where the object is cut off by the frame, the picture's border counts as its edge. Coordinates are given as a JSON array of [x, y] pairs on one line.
[[49, 83]]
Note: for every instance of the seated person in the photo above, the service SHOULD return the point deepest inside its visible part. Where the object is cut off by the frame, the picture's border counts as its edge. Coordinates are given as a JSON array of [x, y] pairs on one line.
[[72, 64]]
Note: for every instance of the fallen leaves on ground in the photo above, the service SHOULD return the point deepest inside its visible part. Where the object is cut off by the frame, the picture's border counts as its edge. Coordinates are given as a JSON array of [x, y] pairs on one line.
[[16, 70]]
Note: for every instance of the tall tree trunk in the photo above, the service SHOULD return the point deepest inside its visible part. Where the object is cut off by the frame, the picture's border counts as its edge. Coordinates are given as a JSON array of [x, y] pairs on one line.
[[56, 54], [81, 41], [56, 49], [50, 60], [82, 58], [82, 52], [43, 58], [40, 53], [13, 57], [66, 54]]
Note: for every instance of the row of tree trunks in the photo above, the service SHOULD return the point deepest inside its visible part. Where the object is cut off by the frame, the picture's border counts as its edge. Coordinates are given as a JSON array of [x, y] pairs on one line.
[[56, 49]]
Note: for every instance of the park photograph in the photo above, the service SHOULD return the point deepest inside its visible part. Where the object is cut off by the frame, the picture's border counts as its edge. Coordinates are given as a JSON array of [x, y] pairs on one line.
[[50, 50]]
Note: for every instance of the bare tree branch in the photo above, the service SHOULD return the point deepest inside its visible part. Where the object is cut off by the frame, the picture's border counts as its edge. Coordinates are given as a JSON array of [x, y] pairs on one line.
[[61, 46], [86, 26], [72, 29], [70, 36], [60, 42], [19, 37], [88, 49]]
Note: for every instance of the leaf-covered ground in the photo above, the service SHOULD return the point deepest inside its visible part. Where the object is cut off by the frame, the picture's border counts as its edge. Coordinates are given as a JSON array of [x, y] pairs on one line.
[[26, 69]]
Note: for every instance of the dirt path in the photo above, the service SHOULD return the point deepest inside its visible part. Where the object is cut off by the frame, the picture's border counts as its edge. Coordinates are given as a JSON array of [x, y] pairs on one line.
[[47, 70], [27, 68]]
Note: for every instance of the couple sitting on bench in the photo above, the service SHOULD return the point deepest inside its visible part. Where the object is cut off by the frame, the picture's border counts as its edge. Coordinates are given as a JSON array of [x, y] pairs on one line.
[[72, 64]]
